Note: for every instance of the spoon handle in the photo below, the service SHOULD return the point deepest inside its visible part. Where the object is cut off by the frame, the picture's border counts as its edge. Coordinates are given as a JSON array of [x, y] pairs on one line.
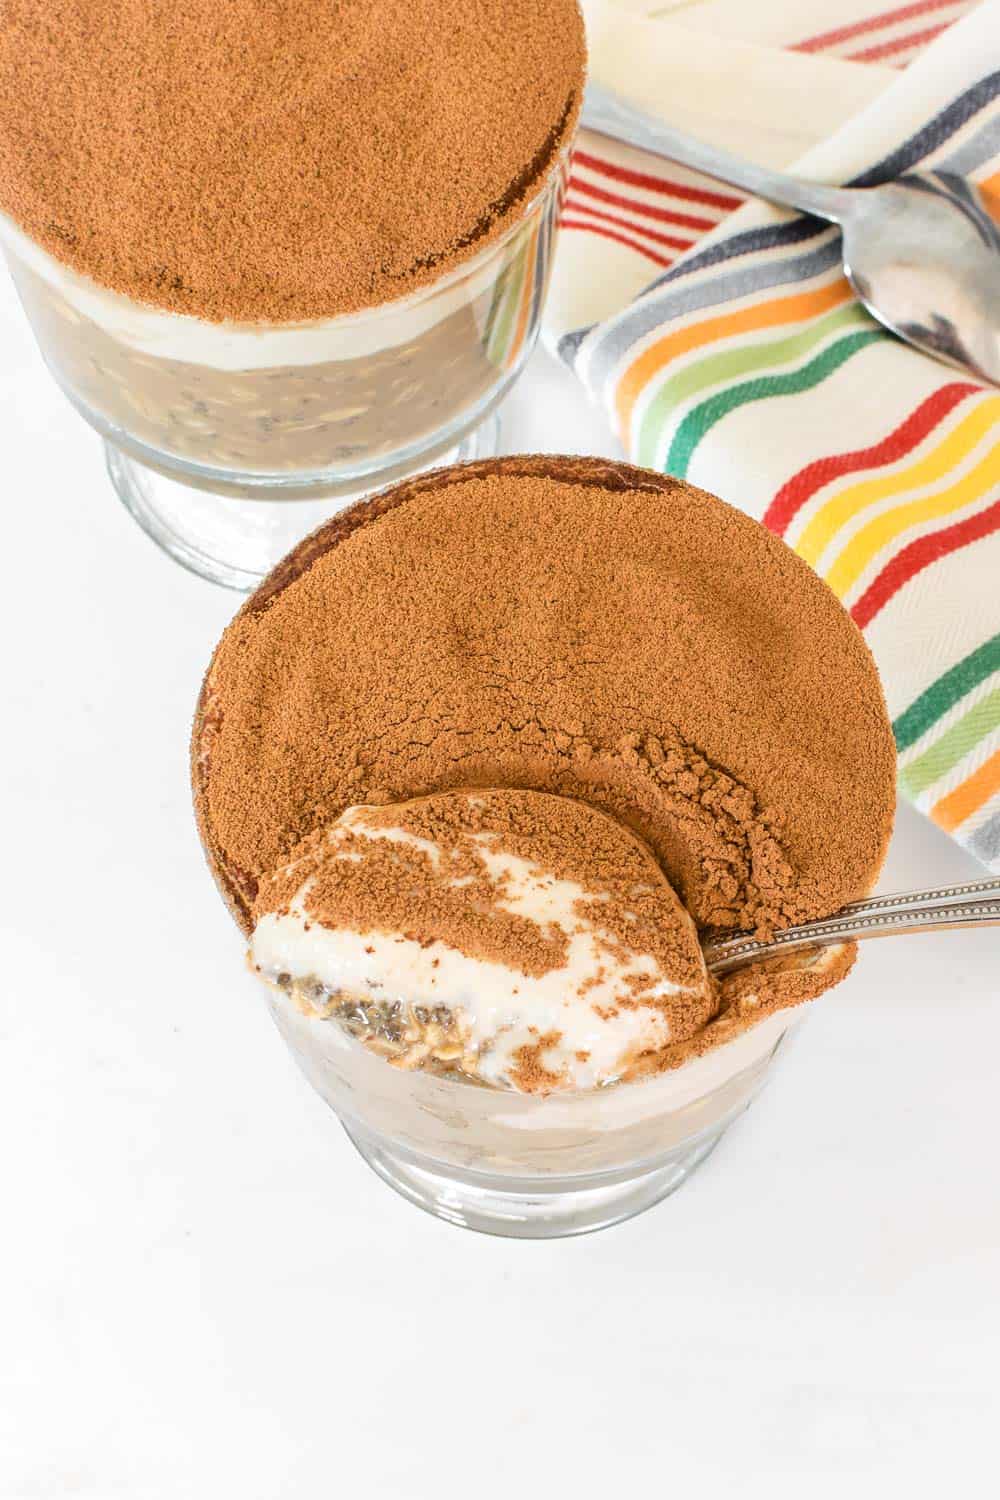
[[609, 114], [976, 905]]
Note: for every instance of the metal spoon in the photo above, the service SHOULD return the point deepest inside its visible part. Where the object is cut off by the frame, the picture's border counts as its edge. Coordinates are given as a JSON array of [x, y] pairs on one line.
[[922, 253], [976, 905]]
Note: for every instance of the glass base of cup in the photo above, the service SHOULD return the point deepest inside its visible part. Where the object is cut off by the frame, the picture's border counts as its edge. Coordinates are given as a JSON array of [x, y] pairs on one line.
[[538, 1208], [236, 542]]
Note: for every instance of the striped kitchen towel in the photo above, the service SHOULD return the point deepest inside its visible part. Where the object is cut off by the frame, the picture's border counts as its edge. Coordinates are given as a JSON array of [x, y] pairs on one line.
[[858, 30], [748, 367]]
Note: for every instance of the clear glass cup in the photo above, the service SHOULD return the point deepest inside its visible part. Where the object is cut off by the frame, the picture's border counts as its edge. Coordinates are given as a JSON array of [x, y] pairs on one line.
[[523, 1165], [229, 442]]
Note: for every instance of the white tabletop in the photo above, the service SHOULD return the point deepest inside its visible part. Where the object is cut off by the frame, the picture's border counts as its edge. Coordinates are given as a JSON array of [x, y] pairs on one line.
[[204, 1292]]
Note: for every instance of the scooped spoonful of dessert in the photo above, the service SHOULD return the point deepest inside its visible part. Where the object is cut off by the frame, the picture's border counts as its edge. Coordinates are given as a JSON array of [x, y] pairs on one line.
[[975, 905], [531, 941], [922, 253]]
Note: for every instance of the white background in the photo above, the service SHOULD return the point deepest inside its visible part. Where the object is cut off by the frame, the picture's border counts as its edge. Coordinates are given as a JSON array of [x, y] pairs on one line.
[[204, 1292]]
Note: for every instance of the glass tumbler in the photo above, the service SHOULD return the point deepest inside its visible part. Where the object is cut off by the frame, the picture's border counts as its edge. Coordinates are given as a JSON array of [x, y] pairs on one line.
[[228, 442], [524, 1165]]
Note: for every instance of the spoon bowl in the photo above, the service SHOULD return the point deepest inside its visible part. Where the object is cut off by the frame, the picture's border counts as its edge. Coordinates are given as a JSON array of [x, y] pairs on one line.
[[922, 252], [923, 256]]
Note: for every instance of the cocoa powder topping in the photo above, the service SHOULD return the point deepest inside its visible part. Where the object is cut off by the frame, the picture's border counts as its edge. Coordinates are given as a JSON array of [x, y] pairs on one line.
[[279, 160], [568, 626]]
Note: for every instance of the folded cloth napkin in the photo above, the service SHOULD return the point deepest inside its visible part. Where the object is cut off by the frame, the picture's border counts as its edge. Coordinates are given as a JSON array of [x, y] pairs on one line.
[[861, 30], [748, 367]]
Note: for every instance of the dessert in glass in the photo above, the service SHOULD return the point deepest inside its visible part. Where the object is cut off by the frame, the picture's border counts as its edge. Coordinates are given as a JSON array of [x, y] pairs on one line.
[[279, 256], [479, 767]]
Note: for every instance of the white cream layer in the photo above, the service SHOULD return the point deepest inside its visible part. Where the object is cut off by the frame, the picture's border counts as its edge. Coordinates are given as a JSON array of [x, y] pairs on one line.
[[259, 346], [499, 1008]]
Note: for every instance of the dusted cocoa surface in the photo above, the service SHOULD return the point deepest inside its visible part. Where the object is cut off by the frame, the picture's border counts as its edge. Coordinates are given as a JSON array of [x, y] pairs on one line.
[[566, 625], [279, 160]]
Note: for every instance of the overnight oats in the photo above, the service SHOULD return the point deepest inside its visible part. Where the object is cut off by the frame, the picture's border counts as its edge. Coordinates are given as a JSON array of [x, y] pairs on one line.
[[278, 253], [475, 823]]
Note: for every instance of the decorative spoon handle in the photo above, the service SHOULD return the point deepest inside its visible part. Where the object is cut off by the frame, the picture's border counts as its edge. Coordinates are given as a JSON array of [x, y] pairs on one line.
[[609, 114], [975, 905]]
